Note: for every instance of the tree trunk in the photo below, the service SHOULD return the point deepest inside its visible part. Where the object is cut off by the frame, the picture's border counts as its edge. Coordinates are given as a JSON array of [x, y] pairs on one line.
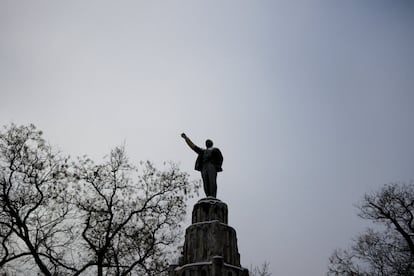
[[99, 263]]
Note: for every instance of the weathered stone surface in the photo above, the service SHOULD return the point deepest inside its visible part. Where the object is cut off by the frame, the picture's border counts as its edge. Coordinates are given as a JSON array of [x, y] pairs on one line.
[[210, 247], [208, 209], [216, 267], [207, 239]]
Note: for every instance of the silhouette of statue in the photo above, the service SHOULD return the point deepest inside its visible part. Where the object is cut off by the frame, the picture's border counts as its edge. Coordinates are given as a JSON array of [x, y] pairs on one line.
[[208, 162]]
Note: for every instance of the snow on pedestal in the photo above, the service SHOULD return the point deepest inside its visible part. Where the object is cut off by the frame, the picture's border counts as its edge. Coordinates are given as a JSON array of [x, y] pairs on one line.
[[210, 247]]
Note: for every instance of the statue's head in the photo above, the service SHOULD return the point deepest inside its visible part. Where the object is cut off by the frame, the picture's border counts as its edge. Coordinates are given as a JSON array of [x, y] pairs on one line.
[[209, 143]]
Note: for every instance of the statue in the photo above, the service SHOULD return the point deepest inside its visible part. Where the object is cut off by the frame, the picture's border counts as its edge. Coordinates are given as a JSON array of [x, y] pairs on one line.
[[209, 163]]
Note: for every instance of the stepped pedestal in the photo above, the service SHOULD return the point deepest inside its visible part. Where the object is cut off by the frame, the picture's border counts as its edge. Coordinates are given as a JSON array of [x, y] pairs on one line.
[[210, 247]]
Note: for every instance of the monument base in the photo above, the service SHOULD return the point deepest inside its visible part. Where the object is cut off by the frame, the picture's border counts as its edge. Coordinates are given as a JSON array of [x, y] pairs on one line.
[[210, 247]]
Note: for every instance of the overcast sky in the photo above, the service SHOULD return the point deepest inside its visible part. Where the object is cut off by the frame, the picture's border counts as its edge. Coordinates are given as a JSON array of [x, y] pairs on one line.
[[310, 102]]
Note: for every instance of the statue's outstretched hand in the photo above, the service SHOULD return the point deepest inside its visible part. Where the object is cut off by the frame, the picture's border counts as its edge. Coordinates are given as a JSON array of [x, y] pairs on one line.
[[189, 142]]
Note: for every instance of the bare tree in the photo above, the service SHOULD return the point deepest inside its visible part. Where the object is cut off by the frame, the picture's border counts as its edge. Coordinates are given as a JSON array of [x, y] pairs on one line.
[[84, 218], [262, 270], [389, 251], [33, 201], [130, 225]]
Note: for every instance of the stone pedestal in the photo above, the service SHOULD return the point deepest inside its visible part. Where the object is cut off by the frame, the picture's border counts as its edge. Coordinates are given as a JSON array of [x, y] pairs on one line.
[[210, 247]]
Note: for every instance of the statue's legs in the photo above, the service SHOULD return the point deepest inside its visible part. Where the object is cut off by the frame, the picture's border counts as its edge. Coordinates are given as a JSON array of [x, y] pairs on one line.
[[209, 175]]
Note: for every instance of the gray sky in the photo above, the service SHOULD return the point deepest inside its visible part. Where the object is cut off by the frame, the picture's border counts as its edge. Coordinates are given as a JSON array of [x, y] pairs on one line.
[[311, 102]]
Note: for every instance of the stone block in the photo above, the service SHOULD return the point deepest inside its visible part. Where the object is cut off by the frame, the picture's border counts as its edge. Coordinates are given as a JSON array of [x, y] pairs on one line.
[[208, 209]]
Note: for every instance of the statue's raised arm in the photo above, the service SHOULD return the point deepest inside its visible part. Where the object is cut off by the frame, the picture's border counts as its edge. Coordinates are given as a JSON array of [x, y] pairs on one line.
[[209, 162], [189, 142]]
